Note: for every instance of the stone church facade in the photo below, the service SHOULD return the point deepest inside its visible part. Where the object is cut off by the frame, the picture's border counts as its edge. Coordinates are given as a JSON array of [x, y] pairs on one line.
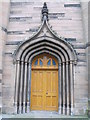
[[44, 57]]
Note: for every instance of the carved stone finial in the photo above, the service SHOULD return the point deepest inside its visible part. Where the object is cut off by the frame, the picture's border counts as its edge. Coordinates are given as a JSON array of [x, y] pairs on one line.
[[44, 12]]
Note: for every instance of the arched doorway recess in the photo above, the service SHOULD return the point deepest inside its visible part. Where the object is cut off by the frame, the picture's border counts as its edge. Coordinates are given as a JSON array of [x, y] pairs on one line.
[[44, 42]]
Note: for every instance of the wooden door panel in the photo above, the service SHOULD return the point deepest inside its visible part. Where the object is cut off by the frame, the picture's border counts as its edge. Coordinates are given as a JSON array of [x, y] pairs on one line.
[[48, 81], [40, 81], [37, 90], [54, 81], [48, 101], [34, 100], [34, 81], [44, 92], [39, 101], [51, 90], [54, 101]]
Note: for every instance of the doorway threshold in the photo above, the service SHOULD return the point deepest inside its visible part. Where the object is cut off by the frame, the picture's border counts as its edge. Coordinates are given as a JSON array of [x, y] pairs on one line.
[[44, 114]]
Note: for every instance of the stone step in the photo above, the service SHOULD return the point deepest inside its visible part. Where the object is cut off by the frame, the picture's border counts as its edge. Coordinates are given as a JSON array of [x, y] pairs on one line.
[[42, 115]]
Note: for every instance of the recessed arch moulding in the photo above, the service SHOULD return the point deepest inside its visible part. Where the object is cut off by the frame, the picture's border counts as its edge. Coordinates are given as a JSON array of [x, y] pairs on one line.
[[44, 41]]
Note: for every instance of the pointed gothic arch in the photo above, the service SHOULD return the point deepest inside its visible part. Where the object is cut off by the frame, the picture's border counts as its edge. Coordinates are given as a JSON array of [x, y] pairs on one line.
[[44, 42]]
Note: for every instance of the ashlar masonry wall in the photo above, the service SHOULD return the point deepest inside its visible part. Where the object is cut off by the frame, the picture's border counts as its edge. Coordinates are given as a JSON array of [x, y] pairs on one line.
[[65, 18], [4, 14]]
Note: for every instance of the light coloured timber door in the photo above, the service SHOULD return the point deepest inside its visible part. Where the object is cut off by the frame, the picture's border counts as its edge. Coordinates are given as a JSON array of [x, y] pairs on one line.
[[44, 83]]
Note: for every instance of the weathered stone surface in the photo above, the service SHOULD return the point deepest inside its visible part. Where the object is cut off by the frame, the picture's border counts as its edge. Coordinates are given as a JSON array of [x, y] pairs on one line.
[[24, 20]]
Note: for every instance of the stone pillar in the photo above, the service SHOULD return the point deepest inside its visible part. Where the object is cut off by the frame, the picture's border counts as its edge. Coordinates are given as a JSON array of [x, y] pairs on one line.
[[60, 97], [67, 80], [17, 83], [15, 91], [19, 95], [20, 85], [63, 88], [29, 87], [25, 87], [72, 86]]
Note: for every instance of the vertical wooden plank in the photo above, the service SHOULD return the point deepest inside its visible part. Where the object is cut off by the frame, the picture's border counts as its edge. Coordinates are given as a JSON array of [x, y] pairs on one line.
[[44, 89], [57, 91], [52, 77]]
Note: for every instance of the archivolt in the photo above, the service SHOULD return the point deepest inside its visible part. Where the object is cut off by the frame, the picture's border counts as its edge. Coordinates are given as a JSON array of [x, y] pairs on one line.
[[34, 43], [24, 56]]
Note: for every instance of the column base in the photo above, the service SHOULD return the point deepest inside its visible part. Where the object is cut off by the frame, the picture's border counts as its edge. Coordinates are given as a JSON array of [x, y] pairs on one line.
[[28, 107], [59, 110]]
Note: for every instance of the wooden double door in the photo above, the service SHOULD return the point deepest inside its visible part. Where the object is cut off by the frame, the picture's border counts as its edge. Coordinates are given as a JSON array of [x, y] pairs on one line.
[[44, 84]]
